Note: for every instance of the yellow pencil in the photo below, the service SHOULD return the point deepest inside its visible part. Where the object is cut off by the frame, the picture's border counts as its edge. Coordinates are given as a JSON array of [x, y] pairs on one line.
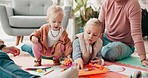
[[49, 72]]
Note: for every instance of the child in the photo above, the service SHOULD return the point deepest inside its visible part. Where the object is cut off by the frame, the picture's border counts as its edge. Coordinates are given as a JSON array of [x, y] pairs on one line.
[[87, 45], [51, 40]]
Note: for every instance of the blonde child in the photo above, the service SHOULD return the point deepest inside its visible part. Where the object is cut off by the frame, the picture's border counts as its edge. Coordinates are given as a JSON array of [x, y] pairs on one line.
[[51, 40], [87, 45]]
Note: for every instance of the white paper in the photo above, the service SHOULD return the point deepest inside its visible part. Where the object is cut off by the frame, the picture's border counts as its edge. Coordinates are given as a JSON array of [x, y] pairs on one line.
[[123, 69]]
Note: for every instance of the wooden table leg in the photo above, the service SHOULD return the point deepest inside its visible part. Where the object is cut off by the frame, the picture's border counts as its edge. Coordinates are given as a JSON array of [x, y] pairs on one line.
[[19, 39]]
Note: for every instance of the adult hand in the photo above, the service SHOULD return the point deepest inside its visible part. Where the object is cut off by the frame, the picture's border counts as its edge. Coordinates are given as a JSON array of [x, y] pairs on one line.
[[145, 63], [34, 40], [13, 50], [79, 63]]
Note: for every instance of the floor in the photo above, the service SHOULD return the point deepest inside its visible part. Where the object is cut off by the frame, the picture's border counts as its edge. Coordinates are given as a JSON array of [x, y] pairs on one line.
[[28, 60]]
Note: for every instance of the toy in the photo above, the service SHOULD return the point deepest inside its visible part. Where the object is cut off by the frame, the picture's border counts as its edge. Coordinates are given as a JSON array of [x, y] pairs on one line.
[[68, 62], [95, 66], [39, 70], [91, 69]]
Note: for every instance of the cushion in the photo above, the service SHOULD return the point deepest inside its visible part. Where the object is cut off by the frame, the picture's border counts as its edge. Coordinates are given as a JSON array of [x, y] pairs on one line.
[[27, 21], [31, 7]]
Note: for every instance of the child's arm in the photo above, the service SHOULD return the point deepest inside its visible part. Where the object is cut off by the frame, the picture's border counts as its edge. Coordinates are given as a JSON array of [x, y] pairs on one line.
[[37, 33], [76, 54], [67, 43], [98, 60], [34, 40], [79, 63]]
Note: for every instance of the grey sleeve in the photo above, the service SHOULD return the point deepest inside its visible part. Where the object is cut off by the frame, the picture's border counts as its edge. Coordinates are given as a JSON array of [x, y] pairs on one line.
[[76, 53]]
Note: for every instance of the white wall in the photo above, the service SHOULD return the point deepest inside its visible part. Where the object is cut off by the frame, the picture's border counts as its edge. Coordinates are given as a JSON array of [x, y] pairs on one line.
[[144, 4]]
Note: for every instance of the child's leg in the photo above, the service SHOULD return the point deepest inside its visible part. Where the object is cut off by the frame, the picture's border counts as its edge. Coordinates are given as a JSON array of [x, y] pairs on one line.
[[57, 54], [37, 50], [48, 53], [8, 69], [116, 50], [28, 48], [37, 53]]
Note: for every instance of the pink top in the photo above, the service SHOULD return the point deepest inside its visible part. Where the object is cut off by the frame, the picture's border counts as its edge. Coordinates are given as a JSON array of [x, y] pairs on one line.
[[123, 22]]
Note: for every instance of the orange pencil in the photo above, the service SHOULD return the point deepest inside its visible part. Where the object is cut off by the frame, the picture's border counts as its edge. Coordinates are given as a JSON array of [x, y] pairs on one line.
[[49, 72]]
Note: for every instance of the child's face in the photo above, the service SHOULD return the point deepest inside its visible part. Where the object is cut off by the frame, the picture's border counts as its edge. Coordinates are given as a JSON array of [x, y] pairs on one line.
[[55, 21], [91, 33]]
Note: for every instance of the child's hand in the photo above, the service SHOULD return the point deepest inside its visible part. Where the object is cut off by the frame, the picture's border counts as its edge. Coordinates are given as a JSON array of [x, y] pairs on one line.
[[79, 63], [34, 40], [68, 61], [99, 61], [13, 50]]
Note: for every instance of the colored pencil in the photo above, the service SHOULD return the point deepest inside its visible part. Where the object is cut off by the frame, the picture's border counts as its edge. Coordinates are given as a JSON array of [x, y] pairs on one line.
[[49, 72]]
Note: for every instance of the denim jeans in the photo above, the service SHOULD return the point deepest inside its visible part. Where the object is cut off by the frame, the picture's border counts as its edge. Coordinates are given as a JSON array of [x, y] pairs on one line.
[[8, 69], [113, 51]]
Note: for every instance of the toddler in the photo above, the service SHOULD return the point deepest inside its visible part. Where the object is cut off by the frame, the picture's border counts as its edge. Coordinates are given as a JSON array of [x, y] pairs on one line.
[[87, 45], [51, 40]]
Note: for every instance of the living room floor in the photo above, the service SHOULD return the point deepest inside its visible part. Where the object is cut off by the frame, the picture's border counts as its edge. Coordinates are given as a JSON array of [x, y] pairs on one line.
[[25, 60]]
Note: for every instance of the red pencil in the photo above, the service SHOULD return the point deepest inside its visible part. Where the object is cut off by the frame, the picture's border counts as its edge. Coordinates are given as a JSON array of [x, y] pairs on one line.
[[49, 72]]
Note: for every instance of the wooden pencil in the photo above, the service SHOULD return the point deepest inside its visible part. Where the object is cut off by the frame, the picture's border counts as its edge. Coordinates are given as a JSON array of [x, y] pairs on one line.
[[49, 72]]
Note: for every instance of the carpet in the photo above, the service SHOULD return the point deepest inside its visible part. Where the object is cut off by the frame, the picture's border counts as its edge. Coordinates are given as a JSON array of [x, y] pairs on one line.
[[26, 60], [132, 61]]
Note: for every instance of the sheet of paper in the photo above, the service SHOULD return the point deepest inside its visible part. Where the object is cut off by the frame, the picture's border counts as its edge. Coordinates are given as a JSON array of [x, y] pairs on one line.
[[123, 69]]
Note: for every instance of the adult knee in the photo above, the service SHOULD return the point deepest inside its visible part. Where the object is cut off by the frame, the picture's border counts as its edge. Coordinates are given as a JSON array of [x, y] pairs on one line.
[[110, 52], [107, 53]]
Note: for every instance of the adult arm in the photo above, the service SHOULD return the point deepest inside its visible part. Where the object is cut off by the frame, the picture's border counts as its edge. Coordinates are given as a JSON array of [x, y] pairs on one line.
[[102, 16], [136, 33], [11, 49]]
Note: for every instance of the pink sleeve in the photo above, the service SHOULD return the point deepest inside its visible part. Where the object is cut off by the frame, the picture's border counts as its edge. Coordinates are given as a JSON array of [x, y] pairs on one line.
[[135, 22], [102, 13]]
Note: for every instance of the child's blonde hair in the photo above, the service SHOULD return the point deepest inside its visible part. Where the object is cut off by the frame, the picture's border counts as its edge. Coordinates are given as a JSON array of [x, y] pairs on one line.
[[55, 9], [94, 22]]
